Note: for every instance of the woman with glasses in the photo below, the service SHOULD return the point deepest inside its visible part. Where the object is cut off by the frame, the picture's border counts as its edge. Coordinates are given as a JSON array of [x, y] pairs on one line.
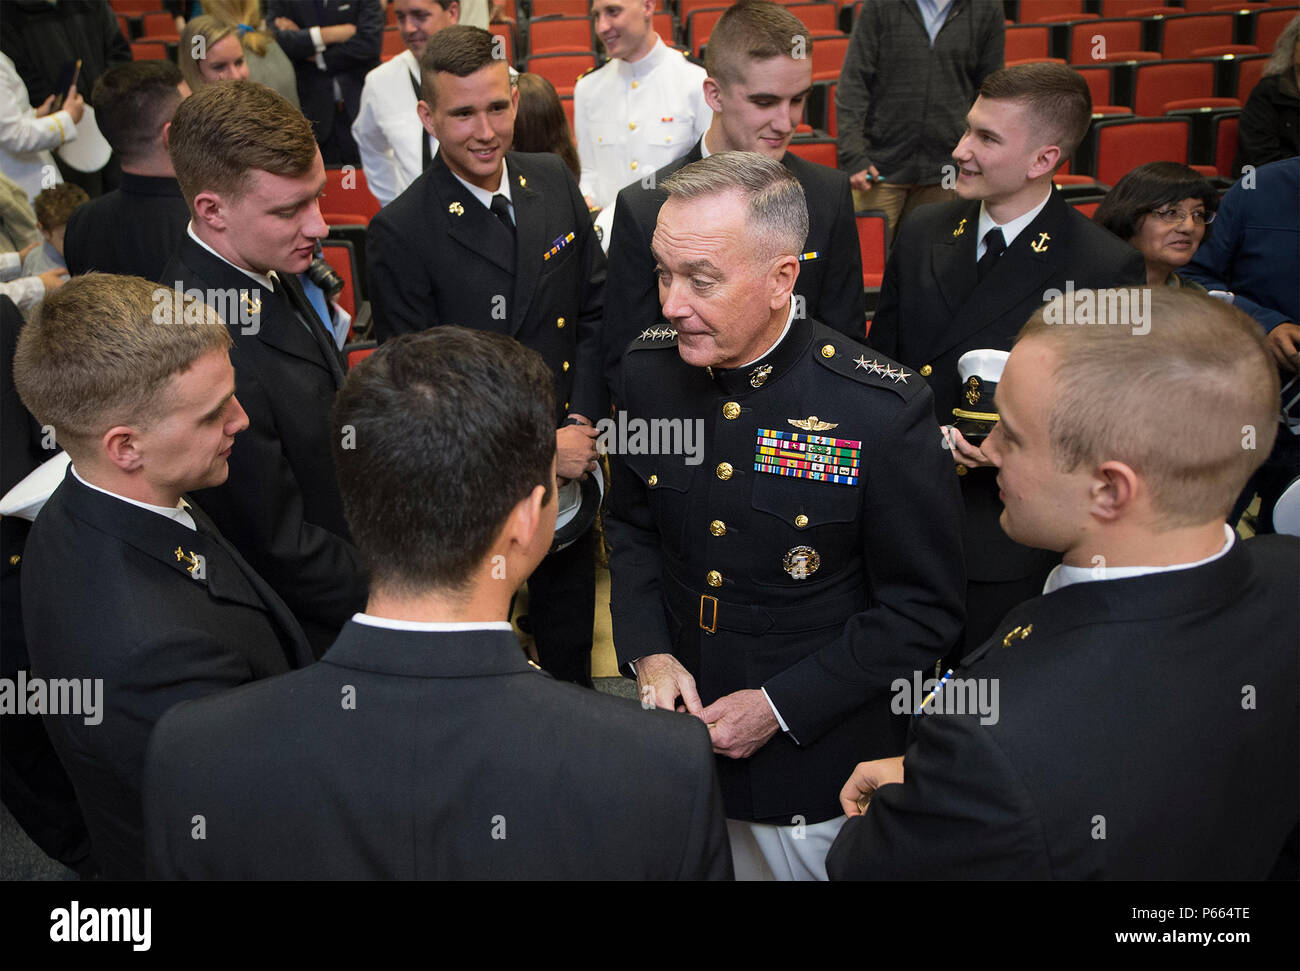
[[1163, 209]]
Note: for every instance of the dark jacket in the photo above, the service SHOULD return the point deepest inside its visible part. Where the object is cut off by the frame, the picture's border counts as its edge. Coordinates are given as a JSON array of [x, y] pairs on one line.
[[106, 596], [132, 230], [1269, 129], [901, 105], [1146, 729], [41, 38], [431, 756]]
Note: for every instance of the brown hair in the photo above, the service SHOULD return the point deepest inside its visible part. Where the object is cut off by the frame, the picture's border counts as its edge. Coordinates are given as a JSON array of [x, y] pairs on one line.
[[1057, 97], [753, 30], [54, 205], [1190, 404], [459, 50], [132, 103], [102, 351], [225, 132], [540, 123]]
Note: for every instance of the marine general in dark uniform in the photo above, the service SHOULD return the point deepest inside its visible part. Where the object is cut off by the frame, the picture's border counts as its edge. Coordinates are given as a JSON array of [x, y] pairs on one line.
[[805, 552]]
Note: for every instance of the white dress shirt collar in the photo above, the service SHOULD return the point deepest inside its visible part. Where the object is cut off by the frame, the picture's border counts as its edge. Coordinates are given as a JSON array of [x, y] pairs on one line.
[[1063, 576], [179, 512], [1012, 229], [266, 281], [429, 626], [484, 196]]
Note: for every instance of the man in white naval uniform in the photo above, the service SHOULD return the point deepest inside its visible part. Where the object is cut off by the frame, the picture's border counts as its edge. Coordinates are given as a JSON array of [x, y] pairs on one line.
[[387, 131], [644, 108]]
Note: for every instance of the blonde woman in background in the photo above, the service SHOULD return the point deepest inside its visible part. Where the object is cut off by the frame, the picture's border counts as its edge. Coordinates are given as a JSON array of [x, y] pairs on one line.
[[234, 47]]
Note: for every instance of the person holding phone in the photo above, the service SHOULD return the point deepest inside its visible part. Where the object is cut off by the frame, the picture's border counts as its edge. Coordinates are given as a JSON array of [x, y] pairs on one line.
[[28, 134]]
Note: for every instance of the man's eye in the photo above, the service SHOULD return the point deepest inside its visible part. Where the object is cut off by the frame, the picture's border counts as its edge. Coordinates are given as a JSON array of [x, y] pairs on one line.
[[700, 284]]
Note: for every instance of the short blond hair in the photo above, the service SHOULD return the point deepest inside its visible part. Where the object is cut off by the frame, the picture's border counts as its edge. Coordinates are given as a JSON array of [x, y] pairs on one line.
[[102, 351], [1191, 404], [225, 132]]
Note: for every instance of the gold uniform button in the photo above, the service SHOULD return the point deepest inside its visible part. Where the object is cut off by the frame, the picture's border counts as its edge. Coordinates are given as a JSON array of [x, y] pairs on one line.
[[801, 520], [961, 470], [15, 559], [724, 471], [731, 411], [653, 480], [559, 321], [828, 350], [634, 164], [926, 370], [566, 365], [631, 126], [714, 578], [635, 85], [718, 527]]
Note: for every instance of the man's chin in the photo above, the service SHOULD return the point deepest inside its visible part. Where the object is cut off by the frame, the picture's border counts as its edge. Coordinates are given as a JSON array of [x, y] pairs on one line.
[[696, 351]]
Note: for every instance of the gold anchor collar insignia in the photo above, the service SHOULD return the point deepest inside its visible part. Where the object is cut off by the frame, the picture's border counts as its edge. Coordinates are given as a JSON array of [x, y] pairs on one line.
[[523, 183], [254, 304], [192, 558], [961, 227], [456, 209], [813, 424], [1040, 245], [1017, 634]]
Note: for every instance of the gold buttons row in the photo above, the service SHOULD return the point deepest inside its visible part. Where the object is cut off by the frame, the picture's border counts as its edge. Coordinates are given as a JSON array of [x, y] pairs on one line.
[[926, 370], [714, 578], [731, 411], [724, 471], [559, 322]]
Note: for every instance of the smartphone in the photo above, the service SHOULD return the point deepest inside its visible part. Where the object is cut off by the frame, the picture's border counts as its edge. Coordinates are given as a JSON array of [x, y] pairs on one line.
[[67, 78]]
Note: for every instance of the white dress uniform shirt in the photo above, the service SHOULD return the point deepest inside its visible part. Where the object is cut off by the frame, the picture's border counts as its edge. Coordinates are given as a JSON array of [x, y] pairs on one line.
[[25, 140], [631, 119], [388, 130]]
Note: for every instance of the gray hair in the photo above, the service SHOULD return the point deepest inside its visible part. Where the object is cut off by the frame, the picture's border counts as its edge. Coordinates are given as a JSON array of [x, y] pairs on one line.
[[1283, 49], [777, 208]]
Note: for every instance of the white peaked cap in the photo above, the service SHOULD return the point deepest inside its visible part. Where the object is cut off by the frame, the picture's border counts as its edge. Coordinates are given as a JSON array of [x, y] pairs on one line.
[[984, 363]]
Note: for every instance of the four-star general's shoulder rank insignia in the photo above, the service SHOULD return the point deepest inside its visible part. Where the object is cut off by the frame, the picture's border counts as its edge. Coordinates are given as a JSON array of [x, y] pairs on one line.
[[803, 456], [801, 562]]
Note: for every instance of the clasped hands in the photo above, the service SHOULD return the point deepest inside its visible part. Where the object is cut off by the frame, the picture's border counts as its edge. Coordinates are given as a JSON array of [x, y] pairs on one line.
[[739, 723]]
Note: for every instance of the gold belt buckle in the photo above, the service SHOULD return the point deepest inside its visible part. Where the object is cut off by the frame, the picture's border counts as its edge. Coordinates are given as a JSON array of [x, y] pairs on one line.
[[712, 626]]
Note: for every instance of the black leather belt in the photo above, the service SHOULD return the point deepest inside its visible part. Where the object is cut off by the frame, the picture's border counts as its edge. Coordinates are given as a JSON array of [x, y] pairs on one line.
[[714, 614]]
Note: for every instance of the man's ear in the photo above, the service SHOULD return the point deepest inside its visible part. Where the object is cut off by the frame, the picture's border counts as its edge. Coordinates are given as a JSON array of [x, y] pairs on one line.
[[425, 112], [713, 94], [526, 518], [121, 444], [1114, 491], [211, 209], [167, 135], [1044, 161], [781, 279], [453, 9]]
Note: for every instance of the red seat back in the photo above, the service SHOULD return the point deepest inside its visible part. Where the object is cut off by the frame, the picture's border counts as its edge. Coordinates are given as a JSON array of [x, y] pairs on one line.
[[1122, 145], [873, 235], [560, 34], [1182, 35], [1163, 81]]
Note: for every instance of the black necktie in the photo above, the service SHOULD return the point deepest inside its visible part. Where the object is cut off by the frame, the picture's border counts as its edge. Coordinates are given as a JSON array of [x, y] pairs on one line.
[[994, 244], [324, 343], [501, 209]]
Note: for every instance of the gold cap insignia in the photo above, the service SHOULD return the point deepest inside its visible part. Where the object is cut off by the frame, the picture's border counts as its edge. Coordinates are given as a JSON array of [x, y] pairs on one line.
[[813, 424], [973, 390], [801, 562], [456, 209]]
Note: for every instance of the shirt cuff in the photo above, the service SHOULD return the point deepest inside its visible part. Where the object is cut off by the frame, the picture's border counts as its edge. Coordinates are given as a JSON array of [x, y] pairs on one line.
[[779, 720], [26, 292], [316, 39], [66, 126], [10, 265]]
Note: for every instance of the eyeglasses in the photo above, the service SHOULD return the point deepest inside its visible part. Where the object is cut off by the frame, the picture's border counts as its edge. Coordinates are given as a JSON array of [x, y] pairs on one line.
[[1201, 217]]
